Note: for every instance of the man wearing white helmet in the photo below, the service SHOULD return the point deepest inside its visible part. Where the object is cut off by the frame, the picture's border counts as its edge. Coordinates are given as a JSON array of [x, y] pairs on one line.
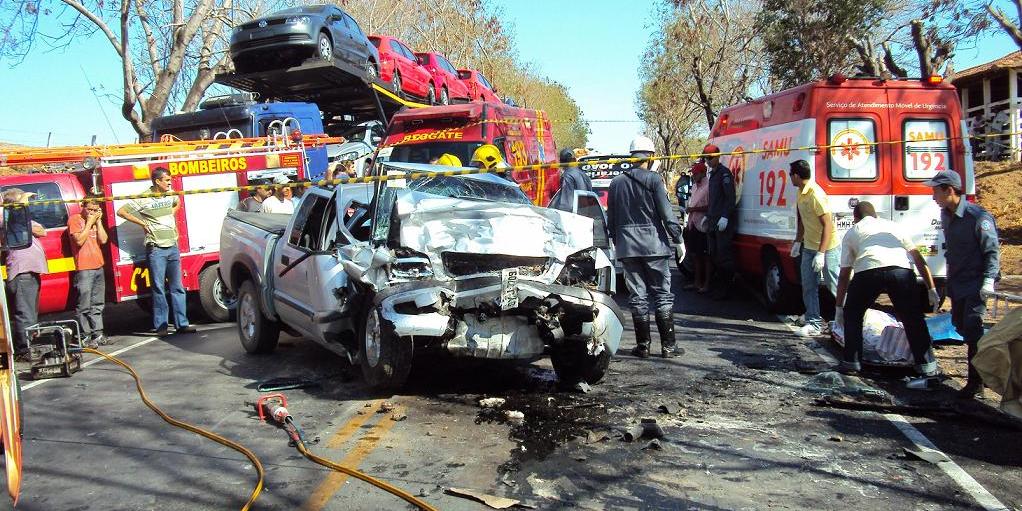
[[644, 229]]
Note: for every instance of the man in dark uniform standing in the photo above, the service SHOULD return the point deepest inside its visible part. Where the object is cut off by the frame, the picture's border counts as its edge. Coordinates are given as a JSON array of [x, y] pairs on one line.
[[641, 221], [720, 220], [572, 178], [973, 263]]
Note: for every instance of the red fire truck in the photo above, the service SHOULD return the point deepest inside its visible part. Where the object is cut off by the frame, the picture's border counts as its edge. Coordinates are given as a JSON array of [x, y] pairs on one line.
[[125, 170], [868, 140], [523, 137]]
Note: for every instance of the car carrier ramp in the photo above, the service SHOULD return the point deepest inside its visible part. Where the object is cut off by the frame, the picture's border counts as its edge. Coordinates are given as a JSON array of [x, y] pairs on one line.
[[337, 88]]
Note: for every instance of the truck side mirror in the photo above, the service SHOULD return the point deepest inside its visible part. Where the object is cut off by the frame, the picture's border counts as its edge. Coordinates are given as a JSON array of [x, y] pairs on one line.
[[17, 228], [376, 139]]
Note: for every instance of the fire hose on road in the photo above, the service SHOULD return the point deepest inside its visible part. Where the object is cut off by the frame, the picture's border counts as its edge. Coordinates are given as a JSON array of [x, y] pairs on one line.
[[271, 407]]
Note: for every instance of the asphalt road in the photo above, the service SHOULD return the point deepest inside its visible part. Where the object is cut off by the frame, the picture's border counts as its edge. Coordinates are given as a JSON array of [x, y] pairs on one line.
[[740, 432]]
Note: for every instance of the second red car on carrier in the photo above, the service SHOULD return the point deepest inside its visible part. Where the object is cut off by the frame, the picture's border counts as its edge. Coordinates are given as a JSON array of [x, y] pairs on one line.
[[865, 139]]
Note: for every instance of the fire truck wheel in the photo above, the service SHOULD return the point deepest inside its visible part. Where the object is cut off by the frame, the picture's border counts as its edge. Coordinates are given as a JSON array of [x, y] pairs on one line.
[[385, 358], [781, 296], [258, 334], [573, 363], [217, 304]]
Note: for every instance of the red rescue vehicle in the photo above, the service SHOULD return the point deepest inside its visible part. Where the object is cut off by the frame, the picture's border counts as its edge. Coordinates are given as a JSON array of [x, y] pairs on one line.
[[522, 135], [193, 167], [879, 140]]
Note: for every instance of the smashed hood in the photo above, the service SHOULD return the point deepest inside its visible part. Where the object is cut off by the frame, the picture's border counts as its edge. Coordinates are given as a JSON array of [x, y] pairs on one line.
[[434, 225]]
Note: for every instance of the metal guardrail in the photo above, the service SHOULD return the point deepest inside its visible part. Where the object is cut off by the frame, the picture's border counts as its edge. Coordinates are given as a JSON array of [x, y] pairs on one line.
[[1010, 301]]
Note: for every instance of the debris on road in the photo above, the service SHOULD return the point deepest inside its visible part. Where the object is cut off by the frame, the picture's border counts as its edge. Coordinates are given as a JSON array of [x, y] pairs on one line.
[[835, 383], [493, 501], [926, 454], [398, 417], [653, 445], [492, 402], [647, 428], [514, 417], [385, 407], [671, 408]]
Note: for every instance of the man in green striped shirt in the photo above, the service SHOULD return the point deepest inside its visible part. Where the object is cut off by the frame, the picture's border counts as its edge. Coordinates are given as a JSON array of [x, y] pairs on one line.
[[158, 218]]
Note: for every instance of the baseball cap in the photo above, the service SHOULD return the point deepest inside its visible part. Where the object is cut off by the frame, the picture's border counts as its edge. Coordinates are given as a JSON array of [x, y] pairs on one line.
[[698, 167], [710, 148], [280, 179], [946, 177]]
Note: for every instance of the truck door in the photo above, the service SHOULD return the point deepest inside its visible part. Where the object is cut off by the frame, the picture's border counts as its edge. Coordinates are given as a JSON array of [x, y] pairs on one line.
[[296, 259], [588, 205], [310, 293]]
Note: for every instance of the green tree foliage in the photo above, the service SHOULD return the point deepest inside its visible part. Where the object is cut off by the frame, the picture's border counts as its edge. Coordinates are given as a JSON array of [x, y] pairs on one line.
[[807, 39]]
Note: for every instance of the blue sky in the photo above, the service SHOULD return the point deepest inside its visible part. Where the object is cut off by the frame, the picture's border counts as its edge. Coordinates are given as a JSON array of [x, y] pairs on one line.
[[591, 46]]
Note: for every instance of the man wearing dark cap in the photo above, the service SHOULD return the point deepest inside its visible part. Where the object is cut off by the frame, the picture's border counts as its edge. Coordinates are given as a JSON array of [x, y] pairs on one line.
[[720, 218], [973, 262], [572, 178]]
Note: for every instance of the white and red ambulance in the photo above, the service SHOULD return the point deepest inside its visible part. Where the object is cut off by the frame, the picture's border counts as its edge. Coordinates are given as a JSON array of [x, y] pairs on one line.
[[866, 140]]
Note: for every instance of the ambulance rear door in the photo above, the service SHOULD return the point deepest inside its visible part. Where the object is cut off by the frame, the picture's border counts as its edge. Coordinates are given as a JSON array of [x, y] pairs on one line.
[[854, 166], [925, 131]]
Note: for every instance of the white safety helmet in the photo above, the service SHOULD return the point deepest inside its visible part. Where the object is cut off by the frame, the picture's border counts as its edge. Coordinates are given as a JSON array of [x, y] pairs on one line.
[[642, 144]]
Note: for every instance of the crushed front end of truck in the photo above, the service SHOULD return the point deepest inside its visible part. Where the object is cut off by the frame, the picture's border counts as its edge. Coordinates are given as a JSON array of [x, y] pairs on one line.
[[459, 269]]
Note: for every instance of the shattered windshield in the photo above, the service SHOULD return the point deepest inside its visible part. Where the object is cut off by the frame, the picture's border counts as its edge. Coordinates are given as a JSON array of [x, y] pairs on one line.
[[468, 188], [485, 188]]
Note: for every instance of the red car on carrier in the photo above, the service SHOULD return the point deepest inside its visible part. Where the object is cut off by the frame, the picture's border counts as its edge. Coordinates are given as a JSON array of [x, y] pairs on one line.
[[479, 89], [400, 67], [445, 77]]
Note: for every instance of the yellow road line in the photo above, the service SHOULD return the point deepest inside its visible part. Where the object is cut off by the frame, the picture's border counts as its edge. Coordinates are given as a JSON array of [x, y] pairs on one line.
[[335, 480], [350, 427]]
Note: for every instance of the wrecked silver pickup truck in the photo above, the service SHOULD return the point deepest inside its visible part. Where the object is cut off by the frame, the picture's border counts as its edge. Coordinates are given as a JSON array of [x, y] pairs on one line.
[[466, 265]]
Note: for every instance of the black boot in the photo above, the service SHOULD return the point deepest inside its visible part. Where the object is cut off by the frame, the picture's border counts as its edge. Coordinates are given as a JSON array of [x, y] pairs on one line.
[[974, 386], [668, 343], [641, 323]]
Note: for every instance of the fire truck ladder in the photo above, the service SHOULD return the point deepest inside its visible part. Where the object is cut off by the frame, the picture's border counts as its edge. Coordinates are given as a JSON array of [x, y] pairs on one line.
[[13, 157]]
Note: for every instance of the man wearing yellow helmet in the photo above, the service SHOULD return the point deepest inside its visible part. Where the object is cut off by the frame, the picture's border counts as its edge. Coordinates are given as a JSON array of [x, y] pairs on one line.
[[488, 157], [448, 159]]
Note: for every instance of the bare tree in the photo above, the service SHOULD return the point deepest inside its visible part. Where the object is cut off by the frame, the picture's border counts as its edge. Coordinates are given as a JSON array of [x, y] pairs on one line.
[[712, 47], [169, 51]]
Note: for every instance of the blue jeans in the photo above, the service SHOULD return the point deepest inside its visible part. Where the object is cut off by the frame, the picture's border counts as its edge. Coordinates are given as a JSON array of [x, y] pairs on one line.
[[811, 281], [165, 271], [648, 280]]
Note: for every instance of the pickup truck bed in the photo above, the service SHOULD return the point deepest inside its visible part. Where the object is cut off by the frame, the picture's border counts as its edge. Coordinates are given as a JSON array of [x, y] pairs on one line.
[[273, 223]]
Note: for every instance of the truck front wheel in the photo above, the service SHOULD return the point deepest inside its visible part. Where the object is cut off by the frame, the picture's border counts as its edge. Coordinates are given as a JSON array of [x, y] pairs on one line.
[[258, 334], [385, 358], [217, 303]]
